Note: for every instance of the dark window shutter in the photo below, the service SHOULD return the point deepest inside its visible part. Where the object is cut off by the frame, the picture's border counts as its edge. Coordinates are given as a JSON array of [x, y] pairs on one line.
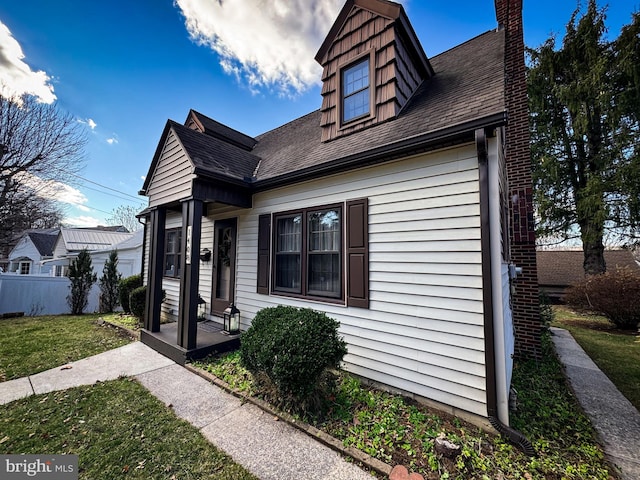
[[357, 253], [264, 246]]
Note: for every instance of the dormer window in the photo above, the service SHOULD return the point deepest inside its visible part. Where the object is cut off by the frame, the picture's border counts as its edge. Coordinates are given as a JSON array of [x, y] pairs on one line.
[[372, 64], [356, 90]]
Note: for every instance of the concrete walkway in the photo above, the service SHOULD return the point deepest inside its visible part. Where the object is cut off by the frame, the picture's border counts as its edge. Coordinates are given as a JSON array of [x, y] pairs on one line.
[[272, 449], [268, 448], [615, 419]]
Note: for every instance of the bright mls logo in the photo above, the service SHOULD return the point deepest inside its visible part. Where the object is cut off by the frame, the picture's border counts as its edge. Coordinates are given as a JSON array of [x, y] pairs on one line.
[[51, 467]]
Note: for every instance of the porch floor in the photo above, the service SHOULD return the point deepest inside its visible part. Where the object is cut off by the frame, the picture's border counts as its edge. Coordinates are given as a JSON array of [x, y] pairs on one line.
[[209, 338]]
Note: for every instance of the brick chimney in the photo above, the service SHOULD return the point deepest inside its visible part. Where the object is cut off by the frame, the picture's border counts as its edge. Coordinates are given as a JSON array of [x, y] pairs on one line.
[[525, 302]]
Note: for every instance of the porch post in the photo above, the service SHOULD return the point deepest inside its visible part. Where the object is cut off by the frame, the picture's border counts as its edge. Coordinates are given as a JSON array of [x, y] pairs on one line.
[[157, 219], [190, 276]]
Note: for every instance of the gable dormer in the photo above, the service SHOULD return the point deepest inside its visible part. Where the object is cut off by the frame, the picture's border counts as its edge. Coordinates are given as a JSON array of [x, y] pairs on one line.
[[208, 126], [372, 64]]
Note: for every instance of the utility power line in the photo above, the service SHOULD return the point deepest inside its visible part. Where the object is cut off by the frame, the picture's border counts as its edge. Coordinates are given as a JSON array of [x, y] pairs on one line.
[[100, 185]]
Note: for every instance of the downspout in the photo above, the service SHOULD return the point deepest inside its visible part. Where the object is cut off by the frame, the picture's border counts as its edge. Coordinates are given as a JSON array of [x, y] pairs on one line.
[[500, 424]]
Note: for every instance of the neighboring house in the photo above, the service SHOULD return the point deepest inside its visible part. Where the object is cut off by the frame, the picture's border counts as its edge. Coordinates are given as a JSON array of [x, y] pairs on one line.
[[388, 209], [129, 256], [46, 294], [71, 241], [559, 269], [35, 246]]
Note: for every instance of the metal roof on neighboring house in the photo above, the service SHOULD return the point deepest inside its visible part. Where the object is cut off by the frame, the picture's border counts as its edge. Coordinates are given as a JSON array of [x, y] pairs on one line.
[[76, 239], [131, 243]]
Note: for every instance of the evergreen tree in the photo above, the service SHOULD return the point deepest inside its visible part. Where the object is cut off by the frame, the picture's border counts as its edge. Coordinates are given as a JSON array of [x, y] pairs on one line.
[[109, 284], [82, 279], [584, 104]]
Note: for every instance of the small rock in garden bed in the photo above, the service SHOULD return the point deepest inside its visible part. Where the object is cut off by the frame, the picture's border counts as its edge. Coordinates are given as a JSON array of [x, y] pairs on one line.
[[446, 448]]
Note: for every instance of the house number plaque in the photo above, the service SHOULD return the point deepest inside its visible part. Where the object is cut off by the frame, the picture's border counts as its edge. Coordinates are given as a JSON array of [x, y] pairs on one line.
[[188, 247]]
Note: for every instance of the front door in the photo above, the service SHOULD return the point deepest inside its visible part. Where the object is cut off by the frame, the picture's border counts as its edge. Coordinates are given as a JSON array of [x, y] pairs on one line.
[[224, 265]]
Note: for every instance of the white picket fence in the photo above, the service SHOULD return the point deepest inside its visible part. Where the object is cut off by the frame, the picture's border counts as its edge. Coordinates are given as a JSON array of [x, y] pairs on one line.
[[36, 295]]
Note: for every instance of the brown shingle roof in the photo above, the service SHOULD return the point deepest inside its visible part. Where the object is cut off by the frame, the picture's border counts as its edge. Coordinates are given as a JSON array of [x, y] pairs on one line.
[[214, 156], [221, 131], [561, 268], [468, 85], [466, 92]]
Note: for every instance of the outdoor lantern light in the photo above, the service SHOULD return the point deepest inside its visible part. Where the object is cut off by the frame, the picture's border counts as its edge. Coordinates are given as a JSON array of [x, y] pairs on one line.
[[202, 308], [205, 255], [231, 318]]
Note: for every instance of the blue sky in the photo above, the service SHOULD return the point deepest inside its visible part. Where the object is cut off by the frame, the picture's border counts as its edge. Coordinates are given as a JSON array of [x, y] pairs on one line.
[[124, 67]]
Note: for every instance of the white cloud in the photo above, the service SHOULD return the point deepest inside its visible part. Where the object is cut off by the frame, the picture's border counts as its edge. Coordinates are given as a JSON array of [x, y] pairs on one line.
[[268, 43], [58, 191], [89, 121], [16, 76], [83, 221], [112, 140]]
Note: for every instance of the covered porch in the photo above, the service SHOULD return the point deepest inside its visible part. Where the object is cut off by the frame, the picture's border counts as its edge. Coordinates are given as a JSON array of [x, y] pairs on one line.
[[202, 268], [210, 338], [198, 183]]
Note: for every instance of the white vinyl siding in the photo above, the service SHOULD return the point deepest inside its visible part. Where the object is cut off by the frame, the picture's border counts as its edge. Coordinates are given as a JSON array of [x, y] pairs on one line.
[[173, 175], [423, 332], [25, 258], [171, 286], [59, 249], [206, 268]]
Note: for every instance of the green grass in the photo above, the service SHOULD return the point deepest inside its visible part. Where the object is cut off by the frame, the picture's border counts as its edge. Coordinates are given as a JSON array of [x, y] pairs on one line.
[[118, 430], [397, 430], [616, 352], [123, 320], [33, 344]]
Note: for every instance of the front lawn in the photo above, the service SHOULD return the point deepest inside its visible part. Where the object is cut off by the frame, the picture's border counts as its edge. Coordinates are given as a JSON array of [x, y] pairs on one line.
[[34, 344], [118, 430], [397, 430], [616, 352]]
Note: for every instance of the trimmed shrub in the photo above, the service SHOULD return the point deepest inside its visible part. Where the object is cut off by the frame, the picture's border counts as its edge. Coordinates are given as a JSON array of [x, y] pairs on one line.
[[294, 348], [137, 300], [613, 294], [109, 284], [126, 285], [82, 279]]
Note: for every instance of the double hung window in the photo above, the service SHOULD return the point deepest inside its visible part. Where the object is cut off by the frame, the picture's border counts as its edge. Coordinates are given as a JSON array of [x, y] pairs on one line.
[[356, 96], [308, 252], [173, 253], [319, 253]]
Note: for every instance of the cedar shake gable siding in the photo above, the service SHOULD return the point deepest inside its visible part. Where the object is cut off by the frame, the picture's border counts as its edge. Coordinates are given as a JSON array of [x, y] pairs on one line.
[[378, 31]]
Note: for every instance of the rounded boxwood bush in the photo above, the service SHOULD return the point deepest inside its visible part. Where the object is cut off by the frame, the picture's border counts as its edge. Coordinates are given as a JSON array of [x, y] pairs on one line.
[[137, 300], [125, 287], [292, 347]]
